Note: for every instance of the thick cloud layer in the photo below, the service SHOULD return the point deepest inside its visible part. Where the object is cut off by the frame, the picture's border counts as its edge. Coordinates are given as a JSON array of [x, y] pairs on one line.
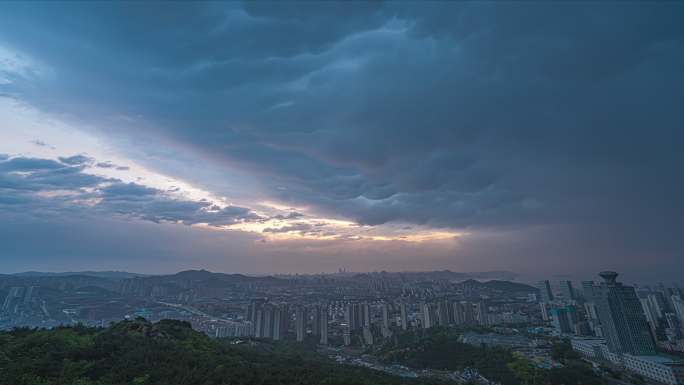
[[480, 116], [40, 187]]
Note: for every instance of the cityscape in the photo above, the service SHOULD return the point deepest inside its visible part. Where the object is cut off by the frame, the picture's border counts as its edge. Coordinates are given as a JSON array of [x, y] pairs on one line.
[[351, 317], [330, 192]]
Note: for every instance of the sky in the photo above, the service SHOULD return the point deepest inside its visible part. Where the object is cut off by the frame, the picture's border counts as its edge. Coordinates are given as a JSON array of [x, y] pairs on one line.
[[539, 138]]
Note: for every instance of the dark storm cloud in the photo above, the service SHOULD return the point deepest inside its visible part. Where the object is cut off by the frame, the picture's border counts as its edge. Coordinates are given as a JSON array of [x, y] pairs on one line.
[[36, 187], [463, 115]]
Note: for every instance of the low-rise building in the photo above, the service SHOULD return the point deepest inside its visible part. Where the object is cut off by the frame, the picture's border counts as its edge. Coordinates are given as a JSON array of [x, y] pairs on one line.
[[659, 368], [588, 347], [654, 367]]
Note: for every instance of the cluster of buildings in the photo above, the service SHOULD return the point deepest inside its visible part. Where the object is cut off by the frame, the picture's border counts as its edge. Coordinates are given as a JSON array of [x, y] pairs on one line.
[[17, 300], [446, 313], [275, 321], [360, 322], [608, 323]]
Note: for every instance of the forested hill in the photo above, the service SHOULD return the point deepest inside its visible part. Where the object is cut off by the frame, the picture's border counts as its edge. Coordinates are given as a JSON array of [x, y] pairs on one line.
[[168, 352]]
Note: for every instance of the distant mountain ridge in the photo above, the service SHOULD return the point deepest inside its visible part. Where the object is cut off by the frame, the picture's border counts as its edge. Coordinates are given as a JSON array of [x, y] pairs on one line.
[[111, 274], [505, 286], [437, 274], [200, 282]]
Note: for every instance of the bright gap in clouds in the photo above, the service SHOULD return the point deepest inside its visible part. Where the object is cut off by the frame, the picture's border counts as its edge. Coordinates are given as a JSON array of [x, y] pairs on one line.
[[28, 133]]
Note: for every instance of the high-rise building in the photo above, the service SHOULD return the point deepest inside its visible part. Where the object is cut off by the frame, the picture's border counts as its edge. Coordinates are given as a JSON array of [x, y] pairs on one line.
[[404, 316], [29, 295], [673, 331], [622, 317], [428, 314], [588, 288], [357, 315], [367, 336], [365, 315], [545, 291], [300, 323], [544, 311], [463, 313], [323, 328], [268, 322], [384, 309], [565, 319], [481, 313], [650, 313], [678, 307], [278, 332], [316, 322], [271, 322], [658, 303], [252, 310], [561, 321], [259, 323], [13, 300], [567, 290], [459, 317], [444, 313]]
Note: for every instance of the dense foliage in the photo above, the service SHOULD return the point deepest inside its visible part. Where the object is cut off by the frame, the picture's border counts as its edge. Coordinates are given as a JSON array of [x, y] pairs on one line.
[[167, 352], [562, 351], [443, 351], [440, 349]]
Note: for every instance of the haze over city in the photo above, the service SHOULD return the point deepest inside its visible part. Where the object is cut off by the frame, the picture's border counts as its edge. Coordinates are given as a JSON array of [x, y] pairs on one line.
[[541, 139]]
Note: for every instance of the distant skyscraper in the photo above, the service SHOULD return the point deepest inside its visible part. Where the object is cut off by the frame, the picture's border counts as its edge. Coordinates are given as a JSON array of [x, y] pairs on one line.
[[481, 313], [428, 315], [323, 319], [385, 316], [622, 318], [459, 316], [562, 321], [444, 313], [658, 303], [403, 316], [365, 315], [259, 323], [29, 295], [278, 323], [567, 290], [673, 330], [367, 336], [13, 300], [316, 322], [678, 305], [468, 313], [588, 288], [268, 322], [352, 315], [300, 323], [650, 313], [252, 309], [545, 291], [544, 311]]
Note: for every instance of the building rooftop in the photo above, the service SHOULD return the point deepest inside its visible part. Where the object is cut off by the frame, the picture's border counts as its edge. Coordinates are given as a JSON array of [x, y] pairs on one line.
[[660, 359]]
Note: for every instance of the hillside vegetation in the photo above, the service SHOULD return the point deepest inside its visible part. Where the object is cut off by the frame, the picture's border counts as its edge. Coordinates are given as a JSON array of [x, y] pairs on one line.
[[168, 352]]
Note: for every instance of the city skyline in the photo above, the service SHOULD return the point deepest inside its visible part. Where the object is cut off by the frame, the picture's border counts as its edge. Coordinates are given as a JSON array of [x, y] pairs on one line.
[[267, 138]]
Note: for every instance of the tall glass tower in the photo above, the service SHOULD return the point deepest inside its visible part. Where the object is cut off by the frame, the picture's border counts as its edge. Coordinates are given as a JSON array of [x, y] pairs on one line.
[[622, 317]]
